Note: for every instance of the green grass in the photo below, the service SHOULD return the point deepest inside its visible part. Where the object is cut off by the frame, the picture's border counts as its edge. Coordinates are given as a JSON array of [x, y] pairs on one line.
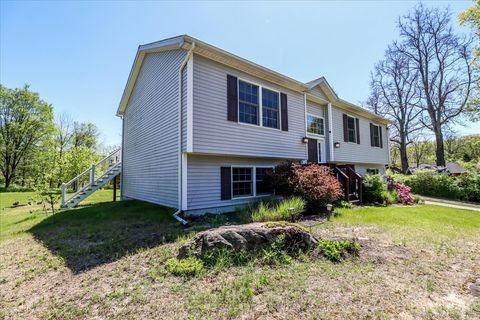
[[108, 260], [17, 221], [415, 222]]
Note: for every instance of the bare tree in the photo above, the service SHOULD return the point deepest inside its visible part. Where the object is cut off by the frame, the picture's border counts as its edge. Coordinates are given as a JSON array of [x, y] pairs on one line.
[[63, 137], [419, 150], [443, 62], [395, 95]]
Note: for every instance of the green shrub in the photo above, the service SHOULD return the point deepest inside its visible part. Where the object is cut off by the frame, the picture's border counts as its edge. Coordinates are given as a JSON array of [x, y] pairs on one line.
[[17, 188], [184, 267], [336, 250], [373, 186], [277, 253], [343, 204], [429, 183], [287, 210], [469, 185], [390, 197]]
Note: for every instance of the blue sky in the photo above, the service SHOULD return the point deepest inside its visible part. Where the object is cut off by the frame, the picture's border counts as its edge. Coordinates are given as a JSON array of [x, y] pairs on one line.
[[78, 55]]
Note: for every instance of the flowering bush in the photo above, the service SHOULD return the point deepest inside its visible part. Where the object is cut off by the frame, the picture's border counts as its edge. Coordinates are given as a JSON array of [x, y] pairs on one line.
[[315, 183], [404, 193]]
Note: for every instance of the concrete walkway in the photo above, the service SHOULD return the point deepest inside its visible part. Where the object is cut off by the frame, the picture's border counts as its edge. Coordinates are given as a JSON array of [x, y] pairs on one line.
[[451, 203]]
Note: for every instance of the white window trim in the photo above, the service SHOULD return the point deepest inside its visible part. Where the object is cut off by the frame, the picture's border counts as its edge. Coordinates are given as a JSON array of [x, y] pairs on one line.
[[311, 133], [260, 106], [254, 182]]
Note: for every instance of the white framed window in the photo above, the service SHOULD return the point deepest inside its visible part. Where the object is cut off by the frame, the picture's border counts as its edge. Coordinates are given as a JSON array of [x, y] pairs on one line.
[[261, 185], [351, 129], [376, 136], [270, 108], [242, 182], [248, 102], [315, 125], [373, 171], [258, 105], [249, 181]]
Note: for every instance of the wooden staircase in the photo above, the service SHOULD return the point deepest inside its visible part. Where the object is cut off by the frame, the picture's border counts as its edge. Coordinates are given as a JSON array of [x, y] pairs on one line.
[[92, 179], [351, 183]]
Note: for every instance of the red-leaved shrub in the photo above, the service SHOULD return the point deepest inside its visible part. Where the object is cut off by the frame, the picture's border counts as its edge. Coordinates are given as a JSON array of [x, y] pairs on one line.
[[315, 183], [404, 193]]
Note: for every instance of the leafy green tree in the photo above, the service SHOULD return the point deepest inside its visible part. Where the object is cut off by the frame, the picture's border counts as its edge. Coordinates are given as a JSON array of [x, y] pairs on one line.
[[25, 121], [471, 17], [85, 135]]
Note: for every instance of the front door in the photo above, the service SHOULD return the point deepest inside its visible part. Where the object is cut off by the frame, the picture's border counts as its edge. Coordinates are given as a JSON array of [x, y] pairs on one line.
[[316, 151], [312, 150]]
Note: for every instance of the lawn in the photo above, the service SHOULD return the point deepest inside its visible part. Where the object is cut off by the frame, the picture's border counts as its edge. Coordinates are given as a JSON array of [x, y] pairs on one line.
[[106, 260]]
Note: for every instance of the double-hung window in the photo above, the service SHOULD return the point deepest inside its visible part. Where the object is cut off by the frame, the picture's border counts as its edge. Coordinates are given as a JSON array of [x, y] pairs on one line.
[[351, 129], [376, 136], [262, 186], [248, 102], [257, 105], [242, 182], [250, 181], [315, 125], [270, 108]]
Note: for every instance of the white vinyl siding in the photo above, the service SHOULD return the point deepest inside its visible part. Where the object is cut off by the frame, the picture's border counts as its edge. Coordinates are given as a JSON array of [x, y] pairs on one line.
[[214, 134], [204, 179], [151, 131], [353, 152]]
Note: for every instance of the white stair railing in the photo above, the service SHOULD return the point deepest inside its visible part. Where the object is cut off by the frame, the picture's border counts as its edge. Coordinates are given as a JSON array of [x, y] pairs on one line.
[[88, 177]]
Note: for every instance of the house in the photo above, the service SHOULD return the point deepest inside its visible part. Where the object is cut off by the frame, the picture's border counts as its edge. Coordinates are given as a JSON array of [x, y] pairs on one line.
[[202, 127], [451, 168]]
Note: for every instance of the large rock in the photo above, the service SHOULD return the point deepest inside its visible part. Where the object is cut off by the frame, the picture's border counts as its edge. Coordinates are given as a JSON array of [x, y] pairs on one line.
[[248, 237]]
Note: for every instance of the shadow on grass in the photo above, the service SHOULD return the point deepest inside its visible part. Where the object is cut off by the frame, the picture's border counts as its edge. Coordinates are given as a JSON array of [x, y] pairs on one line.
[[92, 235], [101, 233]]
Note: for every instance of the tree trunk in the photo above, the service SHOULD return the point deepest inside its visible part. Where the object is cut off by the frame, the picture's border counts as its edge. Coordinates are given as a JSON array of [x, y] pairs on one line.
[[404, 156], [440, 148], [8, 180]]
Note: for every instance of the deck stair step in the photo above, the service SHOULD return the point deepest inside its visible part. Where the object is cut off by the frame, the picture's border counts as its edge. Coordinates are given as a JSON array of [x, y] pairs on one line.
[[98, 175]]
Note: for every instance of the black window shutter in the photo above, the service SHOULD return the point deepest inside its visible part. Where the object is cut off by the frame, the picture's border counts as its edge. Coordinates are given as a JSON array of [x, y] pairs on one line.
[[232, 98], [380, 134], [284, 111], [226, 183], [357, 125], [312, 150], [372, 143], [345, 128]]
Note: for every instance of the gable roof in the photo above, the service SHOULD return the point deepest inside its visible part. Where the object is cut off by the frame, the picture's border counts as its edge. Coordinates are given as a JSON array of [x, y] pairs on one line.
[[207, 50]]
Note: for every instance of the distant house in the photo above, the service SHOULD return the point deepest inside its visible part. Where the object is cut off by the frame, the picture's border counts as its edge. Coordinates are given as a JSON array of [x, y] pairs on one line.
[[202, 127], [452, 168]]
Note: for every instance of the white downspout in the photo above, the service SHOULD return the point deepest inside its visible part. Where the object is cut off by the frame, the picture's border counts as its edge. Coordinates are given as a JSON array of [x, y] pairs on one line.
[[305, 122], [182, 65], [330, 132]]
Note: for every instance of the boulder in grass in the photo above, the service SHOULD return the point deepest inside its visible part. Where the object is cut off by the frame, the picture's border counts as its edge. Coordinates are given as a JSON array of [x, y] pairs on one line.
[[248, 237]]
